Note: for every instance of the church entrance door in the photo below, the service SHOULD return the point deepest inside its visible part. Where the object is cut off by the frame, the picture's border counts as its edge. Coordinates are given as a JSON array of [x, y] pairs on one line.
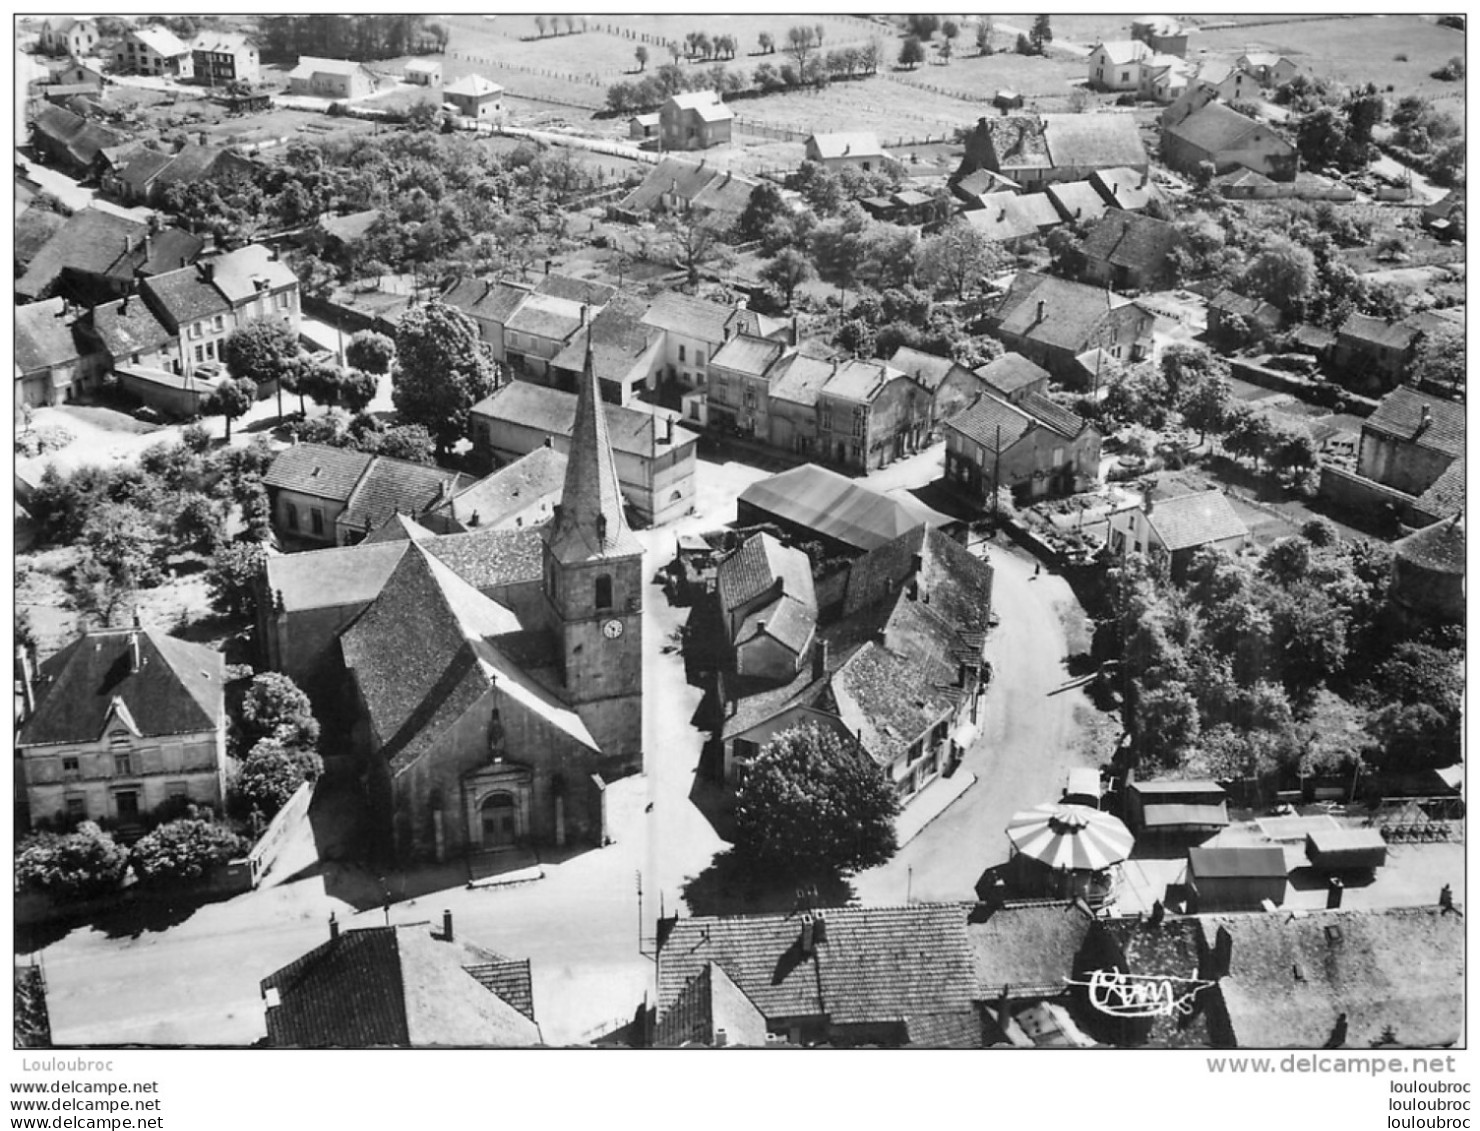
[[499, 816]]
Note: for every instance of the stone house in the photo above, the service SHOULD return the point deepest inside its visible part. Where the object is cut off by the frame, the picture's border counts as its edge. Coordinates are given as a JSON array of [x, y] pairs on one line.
[[1031, 445], [833, 151], [1411, 440], [950, 384], [870, 414], [1127, 251], [1227, 139], [1375, 347], [1170, 531], [769, 606], [1034, 150], [154, 51], [1053, 322], [118, 724], [1012, 377], [222, 57], [696, 120], [48, 359]]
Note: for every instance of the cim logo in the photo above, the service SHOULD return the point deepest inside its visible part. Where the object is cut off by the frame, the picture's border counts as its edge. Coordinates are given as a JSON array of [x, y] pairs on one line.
[[1118, 994]]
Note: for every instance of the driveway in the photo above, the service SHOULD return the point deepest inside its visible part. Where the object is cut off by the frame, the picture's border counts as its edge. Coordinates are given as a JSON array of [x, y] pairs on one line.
[[1034, 730]]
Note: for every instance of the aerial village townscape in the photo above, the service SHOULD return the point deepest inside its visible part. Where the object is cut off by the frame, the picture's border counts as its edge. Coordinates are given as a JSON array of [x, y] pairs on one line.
[[740, 530]]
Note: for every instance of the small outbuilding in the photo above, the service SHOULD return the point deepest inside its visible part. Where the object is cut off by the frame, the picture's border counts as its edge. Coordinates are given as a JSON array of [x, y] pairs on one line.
[[1176, 806], [1346, 850], [1243, 878]]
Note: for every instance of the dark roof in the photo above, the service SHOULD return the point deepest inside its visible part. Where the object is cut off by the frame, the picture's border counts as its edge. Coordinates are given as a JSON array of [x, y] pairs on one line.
[[127, 326], [989, 420], [1378, 331], [1195, 520], [1071, 311], [389, 486], [185, 296], [1180, 787], [1010, 373], [318, 469], [706, 188], [575, 290], [1052, 414], [1400, 415], [617, 338], [1214, 128], [553, 411], [399, 986], [929, 370], [489, 559], [873, 966], [1227, 862], [1173, 946], [1291, 976], [1029, 949], [143, 166], [689, 316], [709, 1002], [89, 242], [759, 563], [195, 162], [1128, 239], [1438, 547], [834, 506], [177, 689], [33, 228], [83, 139], [43, 336], [1447, 494], [487, 299]]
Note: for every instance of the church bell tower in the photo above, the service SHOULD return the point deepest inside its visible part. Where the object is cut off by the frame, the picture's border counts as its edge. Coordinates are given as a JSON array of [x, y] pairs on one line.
[[593, 578]]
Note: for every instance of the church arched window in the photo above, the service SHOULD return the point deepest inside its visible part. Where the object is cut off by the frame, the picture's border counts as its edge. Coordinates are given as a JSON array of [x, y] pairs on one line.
[[603, 591]]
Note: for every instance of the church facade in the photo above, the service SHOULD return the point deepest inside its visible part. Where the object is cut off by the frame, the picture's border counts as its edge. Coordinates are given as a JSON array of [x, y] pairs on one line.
[[481, 723]]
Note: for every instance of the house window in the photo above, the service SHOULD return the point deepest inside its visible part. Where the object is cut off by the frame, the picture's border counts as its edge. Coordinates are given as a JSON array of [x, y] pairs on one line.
[[1125, 76], [698, 357], [200, 353], [76, 809], [318, 520], [858, 421], [178, 789], [826, 414], [282, 301], [218, 323], [122, 764], [603, 591], [1058, 456], [682, 356], [71, 769], [196, 329], [292, 515]]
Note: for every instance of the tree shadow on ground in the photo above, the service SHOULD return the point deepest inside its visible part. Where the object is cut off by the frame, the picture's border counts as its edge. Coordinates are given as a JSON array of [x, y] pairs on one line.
[[729, 886], [153, 913], [709, 795]]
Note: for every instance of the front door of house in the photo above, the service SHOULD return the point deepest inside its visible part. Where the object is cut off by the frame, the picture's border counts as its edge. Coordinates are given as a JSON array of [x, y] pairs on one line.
[[127, 801], [500, 820]]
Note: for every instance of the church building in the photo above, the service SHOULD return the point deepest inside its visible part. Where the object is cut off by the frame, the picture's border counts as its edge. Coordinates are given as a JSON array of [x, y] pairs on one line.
[[489, 707]]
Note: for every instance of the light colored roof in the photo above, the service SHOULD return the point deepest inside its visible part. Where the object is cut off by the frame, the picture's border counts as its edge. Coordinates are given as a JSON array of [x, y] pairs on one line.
[[1098, 141], [553, 411], [705, 103], [237, 273], [423, 66], [746, 354], [473, 86], [859, 144], [1122, 51], [160, 40], [928, 370], [1400, 414], [1195, 520], [758, 564], [1078, 201], [309, 65], [540, 474], [43, 336], [859, 380], [1071, 311], [835, 506], [546, 316], [1011, 372]]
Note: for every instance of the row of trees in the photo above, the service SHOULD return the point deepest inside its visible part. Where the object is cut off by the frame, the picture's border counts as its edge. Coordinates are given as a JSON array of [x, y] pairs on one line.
[[1289, 666], [89, 863], [816, 71], [365, 36]]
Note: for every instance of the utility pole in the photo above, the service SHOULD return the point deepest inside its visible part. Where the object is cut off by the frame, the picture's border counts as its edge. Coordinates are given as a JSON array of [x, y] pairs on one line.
[[638, 874]]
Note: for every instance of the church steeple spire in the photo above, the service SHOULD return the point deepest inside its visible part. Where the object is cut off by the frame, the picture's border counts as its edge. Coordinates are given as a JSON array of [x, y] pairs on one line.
[[591, 523]]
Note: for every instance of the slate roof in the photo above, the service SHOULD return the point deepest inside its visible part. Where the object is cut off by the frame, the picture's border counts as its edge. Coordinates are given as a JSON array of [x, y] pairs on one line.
[[1072, 311], [486, 299], [1378, 331], [1400, 415], [1214, 128], [397, 528], [856, 144], [873, 966], [705, 188], [1291, 976], [127, 326], [709, 1002], [318, 469], [759, 563], [88, 242], [980, 420], [1030, 948], [927, 369], [539, 474], [1195, 520], [1078, 202], [1052, 414], [399, 986], [1130, 240], [43, 336], [1010, 373], [83, 140], [391, 485], [179, 687], [1173, 946], [834, 506], [488, 559], [572, 289], [143, 167]]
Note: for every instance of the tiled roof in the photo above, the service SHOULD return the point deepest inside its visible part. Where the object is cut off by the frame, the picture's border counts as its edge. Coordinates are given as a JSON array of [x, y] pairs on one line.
[[617, 339], [509, 979], [1007, 217], [539, 474], [1010, 373], [691, 317], [991, 422], [237, 273], [1291, 977], [546, 316], [797, 379], [185, 296], [1028, 948], [572, 289], [1400, 415], [178, 688], [1052, 414], [708, 1004], [88, 242], [859, 380], [144, 166], [392, 485], [1174, 945], [318, 469], [748, 355], [927, 369], [1096, 141], [846, 145], [1071, 311], [1078, 202], [704, 187], [787, 620], [1128, 239], [395, 986], [834, 506], [631, 430], [759, 563], [1447, 494], [1438, 547], [871, 966], [33, 228], [83, 139], [1124, 188], [127, 326], [397, 528], [223, 42], [486, 299], [488, 559], [43, 336], [1214, 128], [1378, 331], [196, 162], [1017, 140], [1195, 520], [473, 86]]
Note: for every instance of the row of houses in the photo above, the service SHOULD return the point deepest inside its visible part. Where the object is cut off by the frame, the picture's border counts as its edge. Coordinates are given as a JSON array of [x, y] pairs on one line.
[[212, 57]]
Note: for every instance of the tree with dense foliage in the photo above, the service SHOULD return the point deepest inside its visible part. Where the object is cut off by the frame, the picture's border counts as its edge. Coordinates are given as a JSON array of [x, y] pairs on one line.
[[1282, 273], [271, 773], [641, 55], [442, 370], [984, 35], [957, 258], [261, 351], [232, 400], [694, 243], [1041, 34], [1206, 407], [184, 851], [232, 579], [79, 865], [1439, 359], [372, 352], [761, 210], [813, 804], [922, 25], [787, 271], [912, 53], [274, 707], [801, 41]]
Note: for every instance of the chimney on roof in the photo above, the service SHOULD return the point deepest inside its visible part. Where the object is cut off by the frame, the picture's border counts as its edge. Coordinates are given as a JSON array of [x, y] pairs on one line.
[[1041, 307], [809, 935], [760, 626], [1425, 417], [333, 926], [547, 267], [794, 329], [446, 926], [148, 245], [123, 306], [549, 442], [819, 659], [207, 270], [668, 430], [134, 660], [1148, 500], [1115, 189]]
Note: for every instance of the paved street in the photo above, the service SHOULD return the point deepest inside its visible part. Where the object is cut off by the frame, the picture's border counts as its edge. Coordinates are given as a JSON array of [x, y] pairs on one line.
[[72, 194]]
